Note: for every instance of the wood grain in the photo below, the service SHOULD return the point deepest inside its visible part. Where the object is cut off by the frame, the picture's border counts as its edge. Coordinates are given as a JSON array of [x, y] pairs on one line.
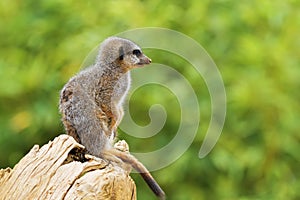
[[50, 172]]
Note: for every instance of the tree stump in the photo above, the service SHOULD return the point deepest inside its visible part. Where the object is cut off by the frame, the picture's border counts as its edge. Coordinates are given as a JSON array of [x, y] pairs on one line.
[[55, 171]]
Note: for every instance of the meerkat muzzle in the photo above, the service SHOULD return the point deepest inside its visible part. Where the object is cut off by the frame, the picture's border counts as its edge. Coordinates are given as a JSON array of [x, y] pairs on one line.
[[144, 60]]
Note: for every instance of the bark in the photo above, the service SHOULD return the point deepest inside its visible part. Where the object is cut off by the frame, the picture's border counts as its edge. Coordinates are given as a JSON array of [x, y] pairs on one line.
[[60, 170]]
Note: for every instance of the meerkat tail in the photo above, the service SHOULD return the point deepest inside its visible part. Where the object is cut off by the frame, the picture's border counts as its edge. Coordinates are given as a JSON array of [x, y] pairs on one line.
[[153, 185], [138, 166]]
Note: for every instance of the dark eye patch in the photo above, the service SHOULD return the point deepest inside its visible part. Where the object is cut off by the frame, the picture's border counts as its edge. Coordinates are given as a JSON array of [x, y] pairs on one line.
[[121, 53], [137, 52]]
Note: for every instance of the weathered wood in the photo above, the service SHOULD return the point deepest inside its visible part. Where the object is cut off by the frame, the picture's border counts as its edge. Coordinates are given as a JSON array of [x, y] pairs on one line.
[[52, 172]]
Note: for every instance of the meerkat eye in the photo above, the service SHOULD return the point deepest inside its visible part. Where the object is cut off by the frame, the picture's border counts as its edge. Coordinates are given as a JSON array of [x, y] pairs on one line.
[[137, 52]]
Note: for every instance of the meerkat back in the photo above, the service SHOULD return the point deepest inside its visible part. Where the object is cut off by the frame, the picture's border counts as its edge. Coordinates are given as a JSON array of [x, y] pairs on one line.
[[80, 114]]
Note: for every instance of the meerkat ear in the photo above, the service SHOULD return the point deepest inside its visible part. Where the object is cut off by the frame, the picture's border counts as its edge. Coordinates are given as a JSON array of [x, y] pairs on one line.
[[121, 53]]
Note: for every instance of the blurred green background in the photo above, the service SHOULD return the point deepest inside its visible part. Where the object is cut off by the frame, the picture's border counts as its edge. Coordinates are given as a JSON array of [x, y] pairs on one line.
[[255, 44]]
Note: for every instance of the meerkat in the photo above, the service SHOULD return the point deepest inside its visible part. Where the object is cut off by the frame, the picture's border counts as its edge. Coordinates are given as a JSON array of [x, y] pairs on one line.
[[91, 103]]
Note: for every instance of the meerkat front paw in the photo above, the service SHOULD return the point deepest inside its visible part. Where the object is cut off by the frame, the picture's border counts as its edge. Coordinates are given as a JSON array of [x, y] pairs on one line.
[[122, 146]]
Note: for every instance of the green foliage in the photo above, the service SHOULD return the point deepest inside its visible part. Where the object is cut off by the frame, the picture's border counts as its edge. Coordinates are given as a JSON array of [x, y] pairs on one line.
[[255, 44]]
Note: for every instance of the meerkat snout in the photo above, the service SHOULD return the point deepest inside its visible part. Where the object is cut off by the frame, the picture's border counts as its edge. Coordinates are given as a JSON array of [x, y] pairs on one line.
[[143, 59], [140, 57], [133, 59]]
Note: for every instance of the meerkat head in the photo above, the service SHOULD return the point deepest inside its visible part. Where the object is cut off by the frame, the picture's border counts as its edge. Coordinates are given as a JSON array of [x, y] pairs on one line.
[[122, 52]]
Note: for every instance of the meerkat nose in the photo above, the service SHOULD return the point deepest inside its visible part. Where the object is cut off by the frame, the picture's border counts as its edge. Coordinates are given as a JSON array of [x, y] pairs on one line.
[[147, 60]]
